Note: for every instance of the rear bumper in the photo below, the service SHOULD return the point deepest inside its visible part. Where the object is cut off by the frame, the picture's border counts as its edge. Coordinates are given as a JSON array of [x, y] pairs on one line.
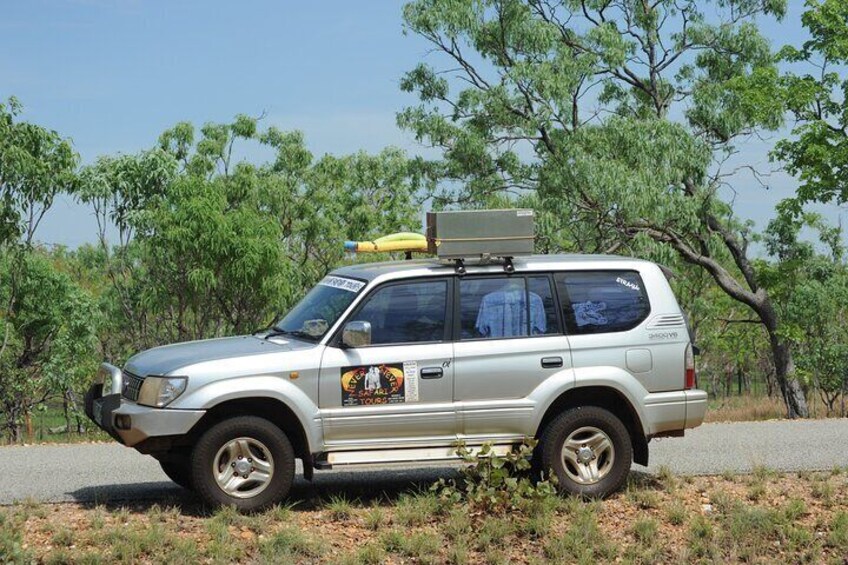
[[676, 410], [136, 423]]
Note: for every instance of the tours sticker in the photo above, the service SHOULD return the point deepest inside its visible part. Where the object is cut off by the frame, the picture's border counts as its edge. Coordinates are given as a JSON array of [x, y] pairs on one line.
[[373, 384]]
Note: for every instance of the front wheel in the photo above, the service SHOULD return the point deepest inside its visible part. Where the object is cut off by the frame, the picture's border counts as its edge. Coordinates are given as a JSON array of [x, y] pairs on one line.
[[589, 451], [246, 462]]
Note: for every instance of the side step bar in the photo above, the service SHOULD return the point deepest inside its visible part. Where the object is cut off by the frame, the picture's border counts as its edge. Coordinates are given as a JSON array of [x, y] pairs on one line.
[[381, 457]]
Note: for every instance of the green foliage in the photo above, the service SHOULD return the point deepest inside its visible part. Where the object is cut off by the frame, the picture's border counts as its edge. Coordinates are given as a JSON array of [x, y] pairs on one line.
[[817, 152], [495, 483], [50, 339], [36, 164], [811, 284], [212, 246]]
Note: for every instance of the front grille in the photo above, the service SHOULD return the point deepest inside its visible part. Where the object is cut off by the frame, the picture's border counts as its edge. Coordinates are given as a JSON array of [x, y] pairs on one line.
[[132, 386]]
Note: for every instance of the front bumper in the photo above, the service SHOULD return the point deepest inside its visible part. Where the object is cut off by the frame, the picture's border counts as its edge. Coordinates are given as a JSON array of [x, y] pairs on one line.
[[131, 423]]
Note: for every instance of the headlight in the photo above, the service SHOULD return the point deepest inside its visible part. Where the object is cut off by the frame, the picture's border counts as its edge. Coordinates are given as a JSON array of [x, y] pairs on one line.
[[161, 391]]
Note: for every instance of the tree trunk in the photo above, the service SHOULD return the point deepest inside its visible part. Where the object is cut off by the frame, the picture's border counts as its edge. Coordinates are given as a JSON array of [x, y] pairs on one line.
[[790, 388]]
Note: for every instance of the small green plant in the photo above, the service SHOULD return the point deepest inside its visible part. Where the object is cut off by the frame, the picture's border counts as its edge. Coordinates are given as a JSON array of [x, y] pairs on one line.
[[493, 530], [824, 491], [492, 482], [701, 537], [458, 524], [667, 478], [645, 530], [11, 543], [458, 553], [290, 544], [644, 499], [763, 473], [370, 554], [794, 509], [339, 507], [375, 518], [676, 513], [838, 536], [729, 475], [582, 542], [538, 525], [417, 508], [64, 537], [756, 491]]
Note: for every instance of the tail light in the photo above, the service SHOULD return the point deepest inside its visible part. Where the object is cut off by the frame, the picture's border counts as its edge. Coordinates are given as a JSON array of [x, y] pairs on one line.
[[689, 364]]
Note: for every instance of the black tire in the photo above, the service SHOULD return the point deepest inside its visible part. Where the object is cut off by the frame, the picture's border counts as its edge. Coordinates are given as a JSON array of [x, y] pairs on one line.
[[257, 430], [580, 421], [178, 470]]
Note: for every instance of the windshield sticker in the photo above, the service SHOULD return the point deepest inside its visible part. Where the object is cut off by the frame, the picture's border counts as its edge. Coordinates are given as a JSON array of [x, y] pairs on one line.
[[349, 285], [365, 385]]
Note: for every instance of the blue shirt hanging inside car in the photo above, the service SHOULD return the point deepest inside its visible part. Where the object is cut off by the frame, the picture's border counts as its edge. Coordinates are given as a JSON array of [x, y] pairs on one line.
[[504, 314]]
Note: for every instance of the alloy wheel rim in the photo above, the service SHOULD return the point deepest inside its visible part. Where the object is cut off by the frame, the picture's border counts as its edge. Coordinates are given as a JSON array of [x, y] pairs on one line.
[[243, 467], [587, 455]]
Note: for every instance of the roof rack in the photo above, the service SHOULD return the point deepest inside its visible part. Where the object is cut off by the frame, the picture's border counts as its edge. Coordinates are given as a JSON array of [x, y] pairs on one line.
[[458, 236]]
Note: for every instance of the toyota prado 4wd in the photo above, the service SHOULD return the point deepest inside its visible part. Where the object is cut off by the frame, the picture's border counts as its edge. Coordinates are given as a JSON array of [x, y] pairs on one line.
[[398, 362]]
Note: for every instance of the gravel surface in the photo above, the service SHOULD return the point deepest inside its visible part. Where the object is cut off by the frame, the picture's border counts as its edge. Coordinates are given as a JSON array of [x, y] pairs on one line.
[[93, 473]]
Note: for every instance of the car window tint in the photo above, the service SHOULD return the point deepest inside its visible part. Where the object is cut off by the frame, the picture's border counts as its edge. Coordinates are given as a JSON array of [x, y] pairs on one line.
[[602, 301], [407, 313]]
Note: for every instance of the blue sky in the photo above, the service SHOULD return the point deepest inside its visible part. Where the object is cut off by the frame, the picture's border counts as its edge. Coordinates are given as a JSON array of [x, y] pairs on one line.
[[112, 75]]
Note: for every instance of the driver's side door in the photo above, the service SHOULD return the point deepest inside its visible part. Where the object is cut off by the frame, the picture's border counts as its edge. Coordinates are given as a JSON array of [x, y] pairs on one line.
[[397, 391]]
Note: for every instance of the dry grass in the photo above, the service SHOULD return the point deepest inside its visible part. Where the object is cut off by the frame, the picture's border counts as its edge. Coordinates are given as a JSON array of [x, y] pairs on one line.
[[745, 409], [759, 518]]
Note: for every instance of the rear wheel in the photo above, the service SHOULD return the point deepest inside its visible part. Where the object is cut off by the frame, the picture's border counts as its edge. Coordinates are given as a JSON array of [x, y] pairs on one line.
[[589, 451], [246, 462]]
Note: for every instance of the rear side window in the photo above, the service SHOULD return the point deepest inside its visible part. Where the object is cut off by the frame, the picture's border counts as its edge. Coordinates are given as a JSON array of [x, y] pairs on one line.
[[602, 301], [504, 307]]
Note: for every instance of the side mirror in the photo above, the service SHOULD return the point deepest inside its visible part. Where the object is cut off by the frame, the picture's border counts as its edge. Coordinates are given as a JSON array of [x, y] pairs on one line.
[[356, 334]]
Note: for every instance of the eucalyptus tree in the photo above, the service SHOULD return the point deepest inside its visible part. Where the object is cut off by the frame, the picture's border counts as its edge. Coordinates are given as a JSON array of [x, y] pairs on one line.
[[47, 318], [212, 244], [619, 114], [809, 280], [817, 94]]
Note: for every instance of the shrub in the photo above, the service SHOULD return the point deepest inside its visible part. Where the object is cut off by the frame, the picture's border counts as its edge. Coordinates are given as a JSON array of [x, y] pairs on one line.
[[495, 483]]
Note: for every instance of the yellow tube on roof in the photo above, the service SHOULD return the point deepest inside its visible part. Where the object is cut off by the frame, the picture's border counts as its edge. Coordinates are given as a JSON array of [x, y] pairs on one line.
[[401, 241]]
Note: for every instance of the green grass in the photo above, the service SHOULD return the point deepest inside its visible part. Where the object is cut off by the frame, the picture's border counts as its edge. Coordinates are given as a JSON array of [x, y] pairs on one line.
[[339, 507], [650, 522]]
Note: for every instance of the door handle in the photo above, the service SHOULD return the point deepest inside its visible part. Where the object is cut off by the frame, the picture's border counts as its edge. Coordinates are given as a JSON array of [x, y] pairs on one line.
[[431, 373], [551, 362]]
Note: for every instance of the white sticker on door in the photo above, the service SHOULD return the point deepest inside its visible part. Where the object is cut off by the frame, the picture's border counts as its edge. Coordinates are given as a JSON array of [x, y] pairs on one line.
[[410, 377]]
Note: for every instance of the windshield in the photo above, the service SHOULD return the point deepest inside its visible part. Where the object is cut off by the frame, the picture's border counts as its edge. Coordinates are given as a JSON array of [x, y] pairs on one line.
[[320, 308]]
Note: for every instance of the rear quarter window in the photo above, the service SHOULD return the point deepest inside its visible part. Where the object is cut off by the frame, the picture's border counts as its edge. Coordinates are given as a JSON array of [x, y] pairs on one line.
[[602, 301]]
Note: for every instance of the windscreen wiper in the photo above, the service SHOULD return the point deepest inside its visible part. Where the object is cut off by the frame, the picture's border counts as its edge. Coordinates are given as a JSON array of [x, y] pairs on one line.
[[276, 332]]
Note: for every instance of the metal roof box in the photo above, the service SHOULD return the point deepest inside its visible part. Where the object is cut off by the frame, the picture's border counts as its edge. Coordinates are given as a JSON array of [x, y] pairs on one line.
[[480, 233]]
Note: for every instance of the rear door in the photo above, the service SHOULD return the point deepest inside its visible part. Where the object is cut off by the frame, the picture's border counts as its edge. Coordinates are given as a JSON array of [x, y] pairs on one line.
[[605, 311], [398, 391], [508, 340]]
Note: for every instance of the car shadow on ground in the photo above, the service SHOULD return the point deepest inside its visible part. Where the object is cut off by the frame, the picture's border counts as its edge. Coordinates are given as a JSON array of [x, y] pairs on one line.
[[365, 486]]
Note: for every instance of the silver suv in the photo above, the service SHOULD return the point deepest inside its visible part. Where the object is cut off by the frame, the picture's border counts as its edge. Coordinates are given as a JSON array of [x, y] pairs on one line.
[[398, 362]]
